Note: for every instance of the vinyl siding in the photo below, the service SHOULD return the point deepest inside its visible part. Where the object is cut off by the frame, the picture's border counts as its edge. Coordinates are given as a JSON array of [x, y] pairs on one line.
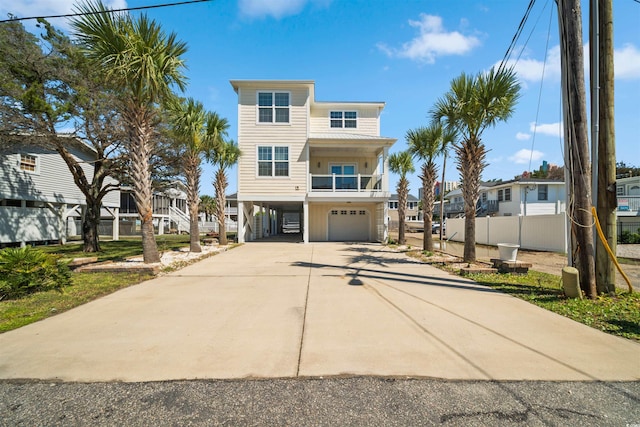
[[368, 120], [328, 160], [53, 182], [252, 134]]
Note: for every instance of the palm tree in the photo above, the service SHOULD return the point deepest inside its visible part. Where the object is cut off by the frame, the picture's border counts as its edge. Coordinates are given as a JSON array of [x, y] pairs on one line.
[[401, 164], [197, 133], [207, 206], [144, 63], [224, 156], [472, 105], [427, 143]]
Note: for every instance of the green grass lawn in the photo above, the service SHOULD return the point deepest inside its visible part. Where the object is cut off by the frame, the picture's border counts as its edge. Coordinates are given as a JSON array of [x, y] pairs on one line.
[[118, 249]]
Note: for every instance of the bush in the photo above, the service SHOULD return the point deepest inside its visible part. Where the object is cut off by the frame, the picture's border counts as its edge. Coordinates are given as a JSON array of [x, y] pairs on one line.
[[627, 237], [26, 270]]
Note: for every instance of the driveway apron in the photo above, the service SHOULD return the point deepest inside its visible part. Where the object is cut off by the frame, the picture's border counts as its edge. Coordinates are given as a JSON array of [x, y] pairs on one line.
[[273, 309]]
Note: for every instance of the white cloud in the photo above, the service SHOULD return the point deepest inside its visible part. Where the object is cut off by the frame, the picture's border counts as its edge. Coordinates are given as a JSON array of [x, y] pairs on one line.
[[28, 8], [549, 129], [521, 136], [524, 156], [627, 62], [275, 8], [431, 42], [531, 70]]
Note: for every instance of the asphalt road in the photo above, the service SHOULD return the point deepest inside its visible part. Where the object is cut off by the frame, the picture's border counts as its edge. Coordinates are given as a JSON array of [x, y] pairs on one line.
[[359, 401]]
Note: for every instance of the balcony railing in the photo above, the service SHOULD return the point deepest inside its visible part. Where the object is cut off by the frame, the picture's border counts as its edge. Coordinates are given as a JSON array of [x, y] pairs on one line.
[[347, 183], [628, 203]]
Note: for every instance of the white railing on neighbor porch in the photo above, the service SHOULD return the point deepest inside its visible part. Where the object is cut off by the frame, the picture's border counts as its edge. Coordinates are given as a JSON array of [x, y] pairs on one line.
[[349, 183], [628, 203], [180, 219]]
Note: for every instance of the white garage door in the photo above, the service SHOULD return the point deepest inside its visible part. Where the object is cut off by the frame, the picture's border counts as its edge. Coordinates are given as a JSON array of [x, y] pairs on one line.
[[349, 225]]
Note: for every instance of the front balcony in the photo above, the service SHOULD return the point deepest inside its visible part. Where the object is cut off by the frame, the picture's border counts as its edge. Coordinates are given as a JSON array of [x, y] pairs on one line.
[[628, 205], [346, 186]]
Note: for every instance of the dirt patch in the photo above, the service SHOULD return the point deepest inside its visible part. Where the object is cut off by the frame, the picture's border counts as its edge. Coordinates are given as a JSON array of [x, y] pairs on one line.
[[546, 262]]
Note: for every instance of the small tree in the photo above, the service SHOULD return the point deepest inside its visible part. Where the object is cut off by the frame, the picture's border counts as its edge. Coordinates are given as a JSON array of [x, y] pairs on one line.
[[197, 132], [207, 206], [427, 143], [145, 64], [224, 156], [402, 164], [473, 104]]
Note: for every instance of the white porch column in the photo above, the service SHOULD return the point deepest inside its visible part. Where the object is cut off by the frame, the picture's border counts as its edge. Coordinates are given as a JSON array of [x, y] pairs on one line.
[[62, 218], [116, 224], [240, 222], [305, 222], [266, 221], [385, 169], [161, 225], [385, 221]]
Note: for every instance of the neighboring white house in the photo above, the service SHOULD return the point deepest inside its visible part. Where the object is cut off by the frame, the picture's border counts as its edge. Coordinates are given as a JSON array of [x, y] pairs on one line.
[[39, 200], [524, 197], [322, 163], [170, 211], [628, 212]]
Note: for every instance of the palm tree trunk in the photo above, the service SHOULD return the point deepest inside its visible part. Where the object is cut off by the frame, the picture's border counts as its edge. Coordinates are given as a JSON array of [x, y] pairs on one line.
[[220, 186], [193, 171], [428, 177], [403, 190], [139, 120], [470, 155], [444, 166]]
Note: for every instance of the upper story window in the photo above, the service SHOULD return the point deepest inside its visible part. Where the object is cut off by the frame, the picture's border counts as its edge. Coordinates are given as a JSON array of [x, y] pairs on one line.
[[543, 192], [344, 119], [273, 107], [500, 195], [412, 205], [507, 194], [620, 190], [273, 160], [29, 163], [393, 205]]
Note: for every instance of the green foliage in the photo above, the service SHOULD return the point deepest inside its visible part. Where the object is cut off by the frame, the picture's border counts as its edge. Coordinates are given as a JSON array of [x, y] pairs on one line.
[[627, 237], [25, 270]]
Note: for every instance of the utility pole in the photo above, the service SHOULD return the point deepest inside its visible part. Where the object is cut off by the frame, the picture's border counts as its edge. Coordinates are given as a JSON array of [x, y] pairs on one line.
[[577, 156], [606, 202]]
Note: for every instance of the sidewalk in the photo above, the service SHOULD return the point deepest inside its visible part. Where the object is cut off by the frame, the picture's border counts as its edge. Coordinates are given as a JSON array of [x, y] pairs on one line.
[[275, 310]]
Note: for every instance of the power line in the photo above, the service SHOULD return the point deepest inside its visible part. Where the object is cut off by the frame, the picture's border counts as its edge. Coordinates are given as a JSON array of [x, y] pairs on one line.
[[127, 9]]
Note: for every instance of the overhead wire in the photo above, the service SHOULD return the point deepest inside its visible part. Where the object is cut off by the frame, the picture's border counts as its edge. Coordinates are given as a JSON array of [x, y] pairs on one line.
[[125, 9]]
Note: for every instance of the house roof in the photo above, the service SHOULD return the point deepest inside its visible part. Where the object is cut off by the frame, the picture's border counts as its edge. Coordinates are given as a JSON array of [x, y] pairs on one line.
[[410, 198], [342, 136]]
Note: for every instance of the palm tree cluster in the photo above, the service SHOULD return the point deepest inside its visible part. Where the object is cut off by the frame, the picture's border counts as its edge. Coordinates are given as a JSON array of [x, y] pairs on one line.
[[146, 65], [458, 119]]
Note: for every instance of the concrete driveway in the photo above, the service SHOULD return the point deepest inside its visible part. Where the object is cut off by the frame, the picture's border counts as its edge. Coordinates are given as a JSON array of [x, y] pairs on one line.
[[266, 310]]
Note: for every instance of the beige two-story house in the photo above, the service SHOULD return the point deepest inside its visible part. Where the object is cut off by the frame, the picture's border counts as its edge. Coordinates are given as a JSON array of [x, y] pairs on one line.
[[319, 168]]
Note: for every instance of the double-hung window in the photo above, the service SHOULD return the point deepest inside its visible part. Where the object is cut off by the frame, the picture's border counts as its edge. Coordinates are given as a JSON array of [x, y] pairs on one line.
[[344, 119], [273, 107], [507, 194], [543, 192], [273, 160], [29, 163]]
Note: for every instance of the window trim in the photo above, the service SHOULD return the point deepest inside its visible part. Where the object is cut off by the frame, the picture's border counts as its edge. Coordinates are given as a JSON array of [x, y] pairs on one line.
[[36, 163], [545, 193], [507, 194], [273, 107], [343, 119], [273, 162]]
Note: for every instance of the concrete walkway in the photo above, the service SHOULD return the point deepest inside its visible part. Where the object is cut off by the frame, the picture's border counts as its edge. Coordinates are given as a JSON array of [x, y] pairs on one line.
[[267, 310]]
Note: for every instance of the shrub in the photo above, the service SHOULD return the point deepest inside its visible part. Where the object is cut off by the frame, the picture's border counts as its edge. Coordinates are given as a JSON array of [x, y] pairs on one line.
[[626, 237], [27, 270]]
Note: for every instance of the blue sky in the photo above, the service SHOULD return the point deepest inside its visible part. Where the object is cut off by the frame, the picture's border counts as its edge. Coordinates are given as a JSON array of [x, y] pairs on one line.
[[404, 53]]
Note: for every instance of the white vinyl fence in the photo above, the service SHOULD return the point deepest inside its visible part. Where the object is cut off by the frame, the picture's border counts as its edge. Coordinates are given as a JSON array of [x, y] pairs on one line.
[[535, 232]]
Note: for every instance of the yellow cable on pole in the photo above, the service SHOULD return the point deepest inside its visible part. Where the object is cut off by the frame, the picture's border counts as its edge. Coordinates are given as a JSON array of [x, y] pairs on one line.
[[606, 246]]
